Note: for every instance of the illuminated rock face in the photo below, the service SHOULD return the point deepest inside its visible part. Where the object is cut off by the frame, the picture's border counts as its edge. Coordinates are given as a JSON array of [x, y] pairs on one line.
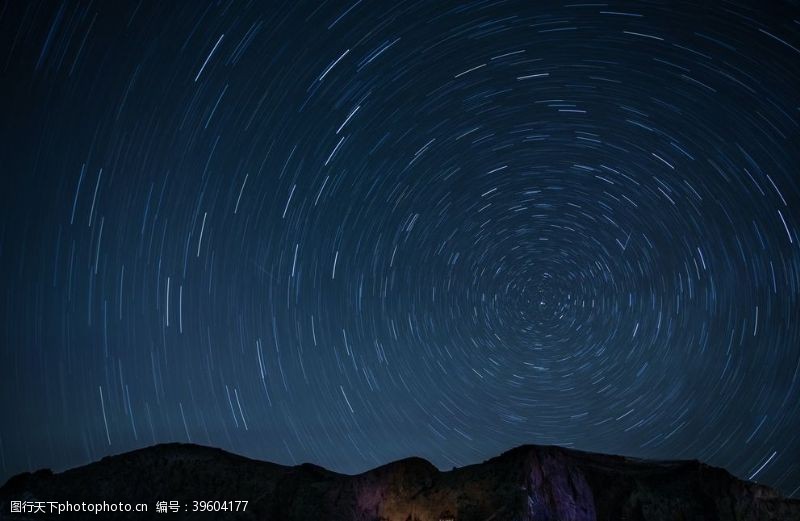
[[557, 490], [528, 483]]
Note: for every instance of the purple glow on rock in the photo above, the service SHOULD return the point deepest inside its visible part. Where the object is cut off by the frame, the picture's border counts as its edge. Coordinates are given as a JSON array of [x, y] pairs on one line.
[[557, 490]]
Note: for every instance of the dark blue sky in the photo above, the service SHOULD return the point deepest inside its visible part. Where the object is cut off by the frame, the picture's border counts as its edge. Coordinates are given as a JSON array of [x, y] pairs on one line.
[[347, 233]]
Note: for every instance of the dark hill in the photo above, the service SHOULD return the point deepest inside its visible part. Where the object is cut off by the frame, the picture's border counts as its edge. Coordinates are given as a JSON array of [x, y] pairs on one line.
[[524, 484]]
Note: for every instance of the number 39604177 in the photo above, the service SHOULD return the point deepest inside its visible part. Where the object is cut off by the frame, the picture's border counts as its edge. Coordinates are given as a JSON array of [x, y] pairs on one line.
[[219, 506]]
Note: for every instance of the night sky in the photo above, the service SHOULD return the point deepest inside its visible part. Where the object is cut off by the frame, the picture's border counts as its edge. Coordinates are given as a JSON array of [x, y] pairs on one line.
[[347, 233]]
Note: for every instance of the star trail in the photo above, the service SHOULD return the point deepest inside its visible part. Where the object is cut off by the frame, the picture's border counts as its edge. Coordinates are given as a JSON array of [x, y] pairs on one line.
[[350, 232]]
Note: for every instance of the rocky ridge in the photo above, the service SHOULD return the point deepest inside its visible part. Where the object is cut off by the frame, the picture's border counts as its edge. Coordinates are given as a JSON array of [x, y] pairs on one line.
[[528, 483]]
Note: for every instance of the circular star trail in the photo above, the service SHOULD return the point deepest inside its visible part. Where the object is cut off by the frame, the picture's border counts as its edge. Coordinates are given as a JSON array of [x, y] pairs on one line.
[[346, 233]]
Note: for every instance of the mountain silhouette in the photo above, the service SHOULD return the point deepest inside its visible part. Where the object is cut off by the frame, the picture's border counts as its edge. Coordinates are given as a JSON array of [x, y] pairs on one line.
[[528, 483]]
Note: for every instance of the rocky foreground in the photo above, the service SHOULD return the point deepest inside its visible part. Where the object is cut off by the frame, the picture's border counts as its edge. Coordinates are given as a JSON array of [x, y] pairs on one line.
[[524, 484]]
